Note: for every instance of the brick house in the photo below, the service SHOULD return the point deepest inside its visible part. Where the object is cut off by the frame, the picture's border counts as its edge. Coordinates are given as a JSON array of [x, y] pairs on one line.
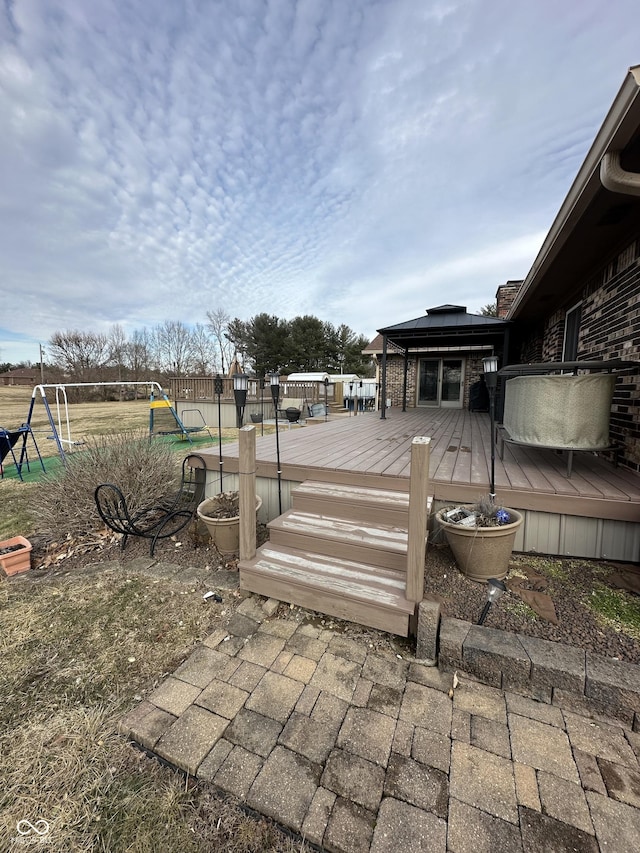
[[436, 360], [579, 302], [21, 376], [581, 298]]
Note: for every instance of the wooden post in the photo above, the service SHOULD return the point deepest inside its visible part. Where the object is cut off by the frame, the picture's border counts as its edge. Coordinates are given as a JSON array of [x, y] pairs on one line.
[[418, 498], [247, 492]]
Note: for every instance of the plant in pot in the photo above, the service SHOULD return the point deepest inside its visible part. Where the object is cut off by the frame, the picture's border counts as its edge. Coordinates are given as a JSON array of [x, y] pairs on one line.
[[221, 516], [481, 537]]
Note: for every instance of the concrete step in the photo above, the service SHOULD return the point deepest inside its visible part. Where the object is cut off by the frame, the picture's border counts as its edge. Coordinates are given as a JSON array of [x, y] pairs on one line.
[[375, 506], [381, 545], [343, 588]]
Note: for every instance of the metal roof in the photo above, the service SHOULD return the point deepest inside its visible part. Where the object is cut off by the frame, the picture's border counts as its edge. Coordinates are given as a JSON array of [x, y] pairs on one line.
[[445, 322]]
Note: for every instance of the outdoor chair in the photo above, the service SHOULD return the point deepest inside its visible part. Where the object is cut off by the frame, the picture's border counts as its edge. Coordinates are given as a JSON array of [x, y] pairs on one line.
[[160, 519], [317, 410]]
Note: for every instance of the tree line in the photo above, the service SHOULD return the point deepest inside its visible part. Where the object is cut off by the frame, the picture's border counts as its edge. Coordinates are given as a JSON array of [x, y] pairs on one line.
[[261, 345]]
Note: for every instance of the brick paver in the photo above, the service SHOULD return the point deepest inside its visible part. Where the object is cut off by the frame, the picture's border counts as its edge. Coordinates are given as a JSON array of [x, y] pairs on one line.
[[360, 749]]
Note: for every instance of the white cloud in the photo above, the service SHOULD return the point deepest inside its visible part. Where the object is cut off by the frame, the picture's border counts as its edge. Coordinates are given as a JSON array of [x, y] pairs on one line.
[[159, 160]]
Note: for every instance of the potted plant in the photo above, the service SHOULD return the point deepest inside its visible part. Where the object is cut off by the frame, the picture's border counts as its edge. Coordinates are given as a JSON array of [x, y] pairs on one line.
[[15, 555], [481, 537], [221, 515]]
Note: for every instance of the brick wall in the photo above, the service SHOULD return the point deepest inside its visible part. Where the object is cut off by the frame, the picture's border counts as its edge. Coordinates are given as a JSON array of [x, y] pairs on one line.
[[473, 370], [505, 295], [609, 328]]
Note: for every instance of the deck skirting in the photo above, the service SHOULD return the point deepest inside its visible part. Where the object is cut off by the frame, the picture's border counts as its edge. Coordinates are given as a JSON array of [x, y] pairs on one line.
[[551, 533]]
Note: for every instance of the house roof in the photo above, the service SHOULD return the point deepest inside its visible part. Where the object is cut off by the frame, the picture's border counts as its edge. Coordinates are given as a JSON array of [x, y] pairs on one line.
[[17, 372], [441, 325], [592, 220]]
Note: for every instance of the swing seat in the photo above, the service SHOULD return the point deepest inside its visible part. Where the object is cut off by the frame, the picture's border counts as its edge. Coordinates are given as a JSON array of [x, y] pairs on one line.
[[160, 519]]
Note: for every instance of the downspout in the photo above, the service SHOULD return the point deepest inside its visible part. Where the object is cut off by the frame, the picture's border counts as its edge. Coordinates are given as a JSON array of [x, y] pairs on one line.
[[616, 179], [501, 387], [383, 401], [404, 380]]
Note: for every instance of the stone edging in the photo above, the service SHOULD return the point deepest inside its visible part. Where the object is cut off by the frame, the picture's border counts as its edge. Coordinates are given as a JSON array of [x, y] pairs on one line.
[[555, 673]]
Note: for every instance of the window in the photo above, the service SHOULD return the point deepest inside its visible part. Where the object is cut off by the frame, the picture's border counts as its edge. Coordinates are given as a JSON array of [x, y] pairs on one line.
[[571, 332]]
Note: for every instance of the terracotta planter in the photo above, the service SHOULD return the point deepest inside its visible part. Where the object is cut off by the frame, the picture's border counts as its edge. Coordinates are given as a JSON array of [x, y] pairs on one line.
[[482, 552], [14, 562], [224, 532]]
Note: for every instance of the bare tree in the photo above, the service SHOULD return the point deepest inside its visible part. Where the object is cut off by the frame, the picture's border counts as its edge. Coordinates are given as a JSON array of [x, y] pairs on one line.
[[80, 355], [219, 326], [204, 350], [173, 346]]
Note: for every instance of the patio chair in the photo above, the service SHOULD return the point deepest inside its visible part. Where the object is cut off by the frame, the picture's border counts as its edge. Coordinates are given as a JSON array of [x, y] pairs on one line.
[[160, 519], [317, 410]]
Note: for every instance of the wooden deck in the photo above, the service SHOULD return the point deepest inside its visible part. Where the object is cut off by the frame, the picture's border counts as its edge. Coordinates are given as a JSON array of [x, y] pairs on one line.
[[368, 451]]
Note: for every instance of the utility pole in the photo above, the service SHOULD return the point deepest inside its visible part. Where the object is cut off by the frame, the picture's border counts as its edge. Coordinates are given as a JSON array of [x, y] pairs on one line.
[[41, 364]]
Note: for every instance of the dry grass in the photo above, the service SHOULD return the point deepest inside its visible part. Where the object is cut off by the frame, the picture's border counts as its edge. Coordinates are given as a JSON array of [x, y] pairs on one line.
[[77, 653], [86, 419]]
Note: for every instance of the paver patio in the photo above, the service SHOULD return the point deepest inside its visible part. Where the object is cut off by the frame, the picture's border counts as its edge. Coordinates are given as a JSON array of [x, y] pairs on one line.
[[358, 750]]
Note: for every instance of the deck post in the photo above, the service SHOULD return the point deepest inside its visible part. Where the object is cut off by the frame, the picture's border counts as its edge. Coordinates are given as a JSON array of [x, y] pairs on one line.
[[247, 491], [418, 509]]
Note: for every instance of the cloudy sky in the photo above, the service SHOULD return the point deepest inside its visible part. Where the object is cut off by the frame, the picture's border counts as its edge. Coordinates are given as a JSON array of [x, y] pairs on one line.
[[359, 160]]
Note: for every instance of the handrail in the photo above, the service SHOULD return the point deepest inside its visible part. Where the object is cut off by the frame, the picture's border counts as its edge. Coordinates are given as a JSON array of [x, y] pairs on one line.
[[418, 512]]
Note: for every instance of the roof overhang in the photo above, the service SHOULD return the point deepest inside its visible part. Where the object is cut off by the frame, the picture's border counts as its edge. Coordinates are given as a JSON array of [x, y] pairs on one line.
[[592, 220]]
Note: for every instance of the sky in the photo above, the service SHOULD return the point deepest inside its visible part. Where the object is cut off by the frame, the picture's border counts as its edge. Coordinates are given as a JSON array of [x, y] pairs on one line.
[[357, 160]]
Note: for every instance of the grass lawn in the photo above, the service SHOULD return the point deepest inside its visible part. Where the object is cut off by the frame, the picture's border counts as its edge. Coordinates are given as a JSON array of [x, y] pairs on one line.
[[78, 649]]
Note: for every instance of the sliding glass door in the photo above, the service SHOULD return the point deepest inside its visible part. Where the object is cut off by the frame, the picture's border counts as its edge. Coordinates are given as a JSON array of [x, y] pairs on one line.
[[440, 382]]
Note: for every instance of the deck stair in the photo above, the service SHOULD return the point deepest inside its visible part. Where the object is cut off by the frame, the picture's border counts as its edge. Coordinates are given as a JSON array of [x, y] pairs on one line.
[[340, 550]]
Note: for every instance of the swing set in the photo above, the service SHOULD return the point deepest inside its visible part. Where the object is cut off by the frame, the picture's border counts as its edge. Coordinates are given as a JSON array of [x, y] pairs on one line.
[[163, 420]]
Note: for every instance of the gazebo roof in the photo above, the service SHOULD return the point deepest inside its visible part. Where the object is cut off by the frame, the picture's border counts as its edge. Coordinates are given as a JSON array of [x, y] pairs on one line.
[[442, 325]]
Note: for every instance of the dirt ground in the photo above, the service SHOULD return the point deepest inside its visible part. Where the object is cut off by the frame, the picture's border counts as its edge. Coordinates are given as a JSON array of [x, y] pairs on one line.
[[591, 612]]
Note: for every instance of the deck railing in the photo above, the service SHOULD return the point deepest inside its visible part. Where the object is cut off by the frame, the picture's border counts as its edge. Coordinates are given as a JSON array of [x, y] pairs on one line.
[[201, 388]]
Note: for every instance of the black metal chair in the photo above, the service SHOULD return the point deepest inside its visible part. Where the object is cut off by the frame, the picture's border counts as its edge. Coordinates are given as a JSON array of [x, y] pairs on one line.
[[162, 518]]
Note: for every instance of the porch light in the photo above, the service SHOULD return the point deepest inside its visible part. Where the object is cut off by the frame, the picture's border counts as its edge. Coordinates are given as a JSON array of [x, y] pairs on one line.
[[275, 395], [495, 589], [490, 364], [240, 386]]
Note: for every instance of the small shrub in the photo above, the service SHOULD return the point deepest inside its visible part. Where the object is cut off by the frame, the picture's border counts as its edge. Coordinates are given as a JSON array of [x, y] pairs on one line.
[[143, 470]]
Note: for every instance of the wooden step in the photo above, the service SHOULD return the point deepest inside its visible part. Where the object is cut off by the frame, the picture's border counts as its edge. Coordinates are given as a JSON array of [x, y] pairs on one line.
[[377, 506], [342, 588], [376, 545]]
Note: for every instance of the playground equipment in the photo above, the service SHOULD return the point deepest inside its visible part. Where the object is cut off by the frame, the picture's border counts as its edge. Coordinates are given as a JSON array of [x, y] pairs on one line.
[[8, 440], [164, 419], [60, 427]]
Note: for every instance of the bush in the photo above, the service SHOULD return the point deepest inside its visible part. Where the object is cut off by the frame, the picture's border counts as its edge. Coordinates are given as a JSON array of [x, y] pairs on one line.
[[144, 471]]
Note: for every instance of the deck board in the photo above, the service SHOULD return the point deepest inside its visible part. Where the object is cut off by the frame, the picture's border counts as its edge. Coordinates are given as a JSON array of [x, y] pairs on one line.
[[367, 450]]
